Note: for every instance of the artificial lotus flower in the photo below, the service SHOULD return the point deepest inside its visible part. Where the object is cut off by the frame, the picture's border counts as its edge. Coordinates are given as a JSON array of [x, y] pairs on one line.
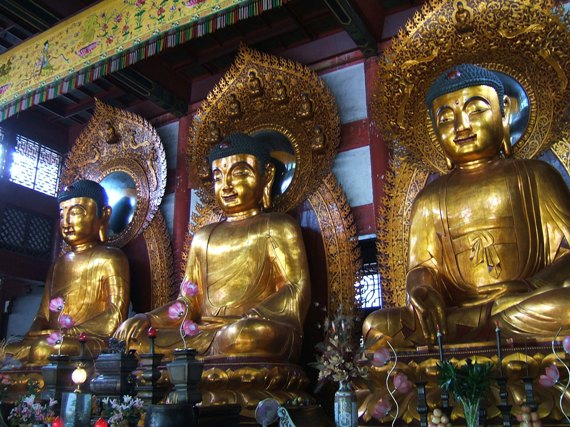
[[382, 408], [566, 344], [66, 321], [176, 310], [190, 328], [56, 304], [189, 288], [552, 376], [54, 338], [402, 383], [381, 357]]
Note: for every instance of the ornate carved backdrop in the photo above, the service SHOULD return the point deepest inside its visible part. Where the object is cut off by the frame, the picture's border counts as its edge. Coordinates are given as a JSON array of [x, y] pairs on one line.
[[123, 152]]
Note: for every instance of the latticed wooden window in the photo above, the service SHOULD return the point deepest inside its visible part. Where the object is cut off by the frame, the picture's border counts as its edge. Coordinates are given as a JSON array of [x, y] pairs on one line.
[[25, 232], [35, 166], [369, 286]]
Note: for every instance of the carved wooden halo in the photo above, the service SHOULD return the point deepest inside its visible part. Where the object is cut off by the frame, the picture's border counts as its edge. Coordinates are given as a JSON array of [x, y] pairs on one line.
[[528, 40], [287, 98], [532, 46], [116, 140]]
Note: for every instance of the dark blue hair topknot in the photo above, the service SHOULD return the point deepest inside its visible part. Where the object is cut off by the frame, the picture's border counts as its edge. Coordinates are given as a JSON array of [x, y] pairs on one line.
[[241, 143], [85, 188], [462, 76]]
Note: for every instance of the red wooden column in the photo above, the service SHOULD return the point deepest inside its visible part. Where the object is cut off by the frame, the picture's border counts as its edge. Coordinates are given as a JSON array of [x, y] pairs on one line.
[[181, 195]]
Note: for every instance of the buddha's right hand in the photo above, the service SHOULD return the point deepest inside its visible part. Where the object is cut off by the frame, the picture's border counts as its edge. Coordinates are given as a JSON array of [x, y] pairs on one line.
[[430, 311], [133, 329]]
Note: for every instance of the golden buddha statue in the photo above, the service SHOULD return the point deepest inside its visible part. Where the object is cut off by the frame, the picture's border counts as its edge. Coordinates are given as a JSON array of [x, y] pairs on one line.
[[90, 283], [489, 240], [249, 271]]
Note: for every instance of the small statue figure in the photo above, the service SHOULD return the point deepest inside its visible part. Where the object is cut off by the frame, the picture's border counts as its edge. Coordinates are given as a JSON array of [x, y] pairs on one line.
[[254, 85], [246, 279], [280, 96], [234, 106], [489, 239], [318, 143], [462, 16], [204, 171], [111, 136], [214, 134], [91, 281], [306, 107]]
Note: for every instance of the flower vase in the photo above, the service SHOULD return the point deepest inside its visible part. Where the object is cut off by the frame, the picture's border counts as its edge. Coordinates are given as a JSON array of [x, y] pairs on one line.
[[471, 412], [345, 406]]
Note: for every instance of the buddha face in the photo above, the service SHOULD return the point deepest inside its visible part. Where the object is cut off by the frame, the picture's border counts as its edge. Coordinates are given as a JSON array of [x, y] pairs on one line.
[[469, 125], [238, 184], [79, 221]]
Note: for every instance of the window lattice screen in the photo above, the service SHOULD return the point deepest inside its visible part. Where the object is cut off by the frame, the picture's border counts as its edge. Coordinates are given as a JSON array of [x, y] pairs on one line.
[[47, 176], [25, 232], [35, 166], [13, 229], [371, 296], [39, 237]]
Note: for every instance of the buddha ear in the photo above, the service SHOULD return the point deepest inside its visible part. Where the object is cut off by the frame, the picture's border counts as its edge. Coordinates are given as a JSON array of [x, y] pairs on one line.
[[448, 163], [104, 227], [506, 142], [269, 178]]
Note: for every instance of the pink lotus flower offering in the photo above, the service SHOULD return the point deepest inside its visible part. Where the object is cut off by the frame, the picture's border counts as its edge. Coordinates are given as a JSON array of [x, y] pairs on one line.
[[382, 408], [566, 344], [189, 289], [381, 357], [190, 328], [176, 310], [402, 384], [552, 376], [56, 304], [66, 321], [54, 338]]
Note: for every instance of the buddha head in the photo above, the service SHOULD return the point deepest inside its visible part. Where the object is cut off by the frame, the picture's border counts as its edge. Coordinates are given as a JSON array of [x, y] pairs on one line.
[[84, 213], [243, 175], [470, 114]]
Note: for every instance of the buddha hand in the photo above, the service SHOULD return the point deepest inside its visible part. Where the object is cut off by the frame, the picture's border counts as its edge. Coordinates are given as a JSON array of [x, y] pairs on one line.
[[133, 328], [430, 311]]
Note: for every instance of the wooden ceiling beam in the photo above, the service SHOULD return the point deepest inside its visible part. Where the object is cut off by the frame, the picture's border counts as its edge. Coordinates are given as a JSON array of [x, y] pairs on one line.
[[372, 14], [67, 111], [353, 24], [230, 46], [147, 89]]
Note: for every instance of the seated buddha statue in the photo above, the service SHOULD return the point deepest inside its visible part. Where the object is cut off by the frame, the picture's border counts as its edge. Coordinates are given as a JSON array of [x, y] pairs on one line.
[[488, 241], [87, 288], [249, 270]]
